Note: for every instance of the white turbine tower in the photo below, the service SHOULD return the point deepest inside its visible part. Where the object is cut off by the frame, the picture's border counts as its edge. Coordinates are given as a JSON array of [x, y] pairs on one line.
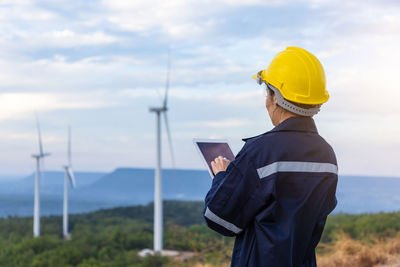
[[68, 175], [158, 208], [36, 205]]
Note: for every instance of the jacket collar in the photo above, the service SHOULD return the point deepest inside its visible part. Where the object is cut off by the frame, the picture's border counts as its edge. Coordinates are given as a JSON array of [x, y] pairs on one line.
[[293, 124]]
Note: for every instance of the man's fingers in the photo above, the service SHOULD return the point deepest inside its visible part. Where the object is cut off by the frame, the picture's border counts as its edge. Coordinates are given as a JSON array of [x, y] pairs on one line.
[[219, 158], [220, 163]]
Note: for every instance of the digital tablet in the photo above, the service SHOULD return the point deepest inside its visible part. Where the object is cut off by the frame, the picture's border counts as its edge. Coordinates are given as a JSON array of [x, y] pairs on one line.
[[209, 149]]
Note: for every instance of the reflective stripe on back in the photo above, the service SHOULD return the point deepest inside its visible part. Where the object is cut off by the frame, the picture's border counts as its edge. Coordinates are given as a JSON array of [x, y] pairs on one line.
[[213, 217], [296, 166]]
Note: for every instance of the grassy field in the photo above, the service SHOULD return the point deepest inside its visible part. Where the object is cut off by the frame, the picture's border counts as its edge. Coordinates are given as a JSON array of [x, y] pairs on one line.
[[113, 237]]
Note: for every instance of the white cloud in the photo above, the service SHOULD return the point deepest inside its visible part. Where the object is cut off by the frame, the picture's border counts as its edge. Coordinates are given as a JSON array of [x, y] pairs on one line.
[[226, 124], [176, 19], [68, 38], [60, 74], [234, 96], [56, 56], [65, 38], [21, 10], [17, 105]]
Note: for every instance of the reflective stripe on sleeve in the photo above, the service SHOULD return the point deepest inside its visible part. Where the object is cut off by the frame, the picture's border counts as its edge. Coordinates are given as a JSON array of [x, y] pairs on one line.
[[296, 166], [213, 217]]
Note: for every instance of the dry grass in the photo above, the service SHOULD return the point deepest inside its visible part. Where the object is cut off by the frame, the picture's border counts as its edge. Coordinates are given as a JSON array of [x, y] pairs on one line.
[[347, 252], [344, 252], [206, 265]]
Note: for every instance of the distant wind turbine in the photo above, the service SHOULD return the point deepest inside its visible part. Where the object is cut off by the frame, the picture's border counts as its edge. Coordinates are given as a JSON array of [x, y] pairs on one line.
[[36, 205], [158, 208], [68, 175]]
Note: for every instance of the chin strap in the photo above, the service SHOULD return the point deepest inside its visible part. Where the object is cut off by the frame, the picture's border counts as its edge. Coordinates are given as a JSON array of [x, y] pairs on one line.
[[281, 101]]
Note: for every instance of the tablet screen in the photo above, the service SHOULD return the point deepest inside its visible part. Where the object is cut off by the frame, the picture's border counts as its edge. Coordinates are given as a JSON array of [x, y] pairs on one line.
[[210, 149]]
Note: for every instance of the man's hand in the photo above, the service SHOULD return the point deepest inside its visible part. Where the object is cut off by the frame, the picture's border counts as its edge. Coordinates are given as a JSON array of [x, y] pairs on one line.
[[219, 164]]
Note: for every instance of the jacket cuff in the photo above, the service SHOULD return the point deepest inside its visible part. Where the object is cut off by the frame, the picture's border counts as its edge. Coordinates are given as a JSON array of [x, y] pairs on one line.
[[219, 177]]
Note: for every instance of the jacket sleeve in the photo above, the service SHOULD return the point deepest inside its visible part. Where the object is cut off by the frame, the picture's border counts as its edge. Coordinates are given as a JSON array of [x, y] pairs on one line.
[[236, 196]]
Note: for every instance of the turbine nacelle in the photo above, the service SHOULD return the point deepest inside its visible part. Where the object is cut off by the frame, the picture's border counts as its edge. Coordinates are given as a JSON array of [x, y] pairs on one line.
[[41, 155], [159, 109]]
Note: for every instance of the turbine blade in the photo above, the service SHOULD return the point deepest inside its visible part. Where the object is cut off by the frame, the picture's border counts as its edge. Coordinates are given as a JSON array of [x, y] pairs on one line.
[[171, 149], [167, 81], [39, 135], [71, 176]]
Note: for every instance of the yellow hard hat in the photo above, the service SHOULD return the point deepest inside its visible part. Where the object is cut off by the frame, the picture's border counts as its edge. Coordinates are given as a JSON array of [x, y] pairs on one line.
[[298, 75]]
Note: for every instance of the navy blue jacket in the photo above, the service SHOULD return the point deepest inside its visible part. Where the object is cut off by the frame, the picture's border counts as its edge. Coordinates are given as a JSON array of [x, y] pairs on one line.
[[275, 196]]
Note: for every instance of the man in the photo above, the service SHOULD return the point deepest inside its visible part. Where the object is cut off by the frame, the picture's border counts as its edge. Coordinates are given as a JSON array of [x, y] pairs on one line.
[[277, 193]]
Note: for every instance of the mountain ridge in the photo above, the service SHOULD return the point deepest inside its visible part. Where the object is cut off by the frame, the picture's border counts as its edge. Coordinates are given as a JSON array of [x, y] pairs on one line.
[[126, 186]]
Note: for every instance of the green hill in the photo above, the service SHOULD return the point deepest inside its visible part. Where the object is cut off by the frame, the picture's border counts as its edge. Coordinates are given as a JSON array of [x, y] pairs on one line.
[[113, 237]]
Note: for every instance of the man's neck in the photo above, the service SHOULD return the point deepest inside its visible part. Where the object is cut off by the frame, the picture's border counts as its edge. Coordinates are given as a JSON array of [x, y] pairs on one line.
[[286, 116]]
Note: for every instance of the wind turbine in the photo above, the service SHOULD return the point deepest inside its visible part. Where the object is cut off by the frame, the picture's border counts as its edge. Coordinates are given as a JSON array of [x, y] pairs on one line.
[[36, 205], [68, 175], [158, 205]]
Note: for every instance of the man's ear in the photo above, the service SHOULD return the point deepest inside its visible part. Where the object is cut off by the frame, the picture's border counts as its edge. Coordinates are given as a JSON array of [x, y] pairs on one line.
[[274, 99]]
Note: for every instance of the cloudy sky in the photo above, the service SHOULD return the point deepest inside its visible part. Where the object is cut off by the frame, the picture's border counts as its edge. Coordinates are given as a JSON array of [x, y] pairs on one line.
[[98, 65]]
